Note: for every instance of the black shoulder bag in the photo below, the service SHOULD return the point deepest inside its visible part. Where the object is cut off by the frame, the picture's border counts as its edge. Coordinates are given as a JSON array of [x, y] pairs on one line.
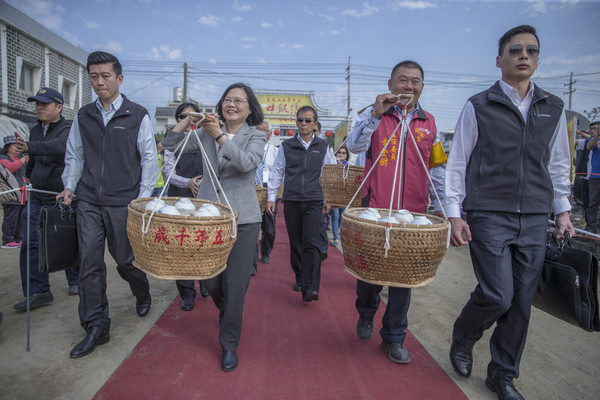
[[57, 233], [568, 287]]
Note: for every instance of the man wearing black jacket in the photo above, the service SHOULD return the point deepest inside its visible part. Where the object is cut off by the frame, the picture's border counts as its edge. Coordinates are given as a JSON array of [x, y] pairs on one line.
[[46, 148]]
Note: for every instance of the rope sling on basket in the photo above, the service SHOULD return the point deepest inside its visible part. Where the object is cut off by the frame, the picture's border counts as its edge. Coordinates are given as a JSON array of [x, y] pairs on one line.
[[404, 254], [182, 246]]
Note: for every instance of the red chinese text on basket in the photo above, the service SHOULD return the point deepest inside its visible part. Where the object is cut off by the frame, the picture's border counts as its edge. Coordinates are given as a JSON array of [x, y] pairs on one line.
[[162, 235], [357, 237], [356, 262]]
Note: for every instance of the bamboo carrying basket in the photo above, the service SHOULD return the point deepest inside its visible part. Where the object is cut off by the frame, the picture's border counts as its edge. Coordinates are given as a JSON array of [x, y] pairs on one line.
[[261, 193], [340, 182], [414, 255], [180, 247]]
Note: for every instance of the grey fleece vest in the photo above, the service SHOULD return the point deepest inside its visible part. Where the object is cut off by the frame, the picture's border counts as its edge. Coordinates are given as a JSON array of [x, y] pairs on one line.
[[303, 169], [508, 169], [112, 172]]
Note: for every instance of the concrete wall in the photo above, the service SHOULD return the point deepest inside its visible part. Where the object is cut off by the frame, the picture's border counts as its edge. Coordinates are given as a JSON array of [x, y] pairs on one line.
[[25, 41]]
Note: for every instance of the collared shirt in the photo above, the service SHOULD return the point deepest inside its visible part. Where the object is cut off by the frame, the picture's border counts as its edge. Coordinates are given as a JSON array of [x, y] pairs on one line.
[[277, 172], [268, 160], [359, 141], [465, 139], [146, 146]]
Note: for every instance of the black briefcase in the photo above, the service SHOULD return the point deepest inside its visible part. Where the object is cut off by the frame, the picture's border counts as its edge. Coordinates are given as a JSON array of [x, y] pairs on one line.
[[57, 235], [568, 287]]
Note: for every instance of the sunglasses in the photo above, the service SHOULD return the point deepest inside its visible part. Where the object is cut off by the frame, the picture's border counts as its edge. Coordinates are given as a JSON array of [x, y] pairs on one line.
[[182, 116], [307, 120], [517, 50]]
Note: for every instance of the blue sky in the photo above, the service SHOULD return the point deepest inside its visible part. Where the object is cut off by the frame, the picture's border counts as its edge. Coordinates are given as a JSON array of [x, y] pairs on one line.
[[305, 45]]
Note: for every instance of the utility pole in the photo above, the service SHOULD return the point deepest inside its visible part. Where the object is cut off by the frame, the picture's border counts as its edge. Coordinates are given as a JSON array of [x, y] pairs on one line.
[[571, 89], [349, 109], [185, 82]]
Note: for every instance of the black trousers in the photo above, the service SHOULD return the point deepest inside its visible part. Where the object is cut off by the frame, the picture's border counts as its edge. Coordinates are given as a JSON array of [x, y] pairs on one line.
[[187, 288], [303, 219], [228, 289], [11, 224], [324, 243], [507, 251], [395, 318], [593, 211], [95, 225], [267, 237]]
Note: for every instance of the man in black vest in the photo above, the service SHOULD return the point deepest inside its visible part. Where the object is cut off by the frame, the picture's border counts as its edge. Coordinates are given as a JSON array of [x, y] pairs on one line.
[[509, 167], [110, 160], [46, 148], [298, 166]]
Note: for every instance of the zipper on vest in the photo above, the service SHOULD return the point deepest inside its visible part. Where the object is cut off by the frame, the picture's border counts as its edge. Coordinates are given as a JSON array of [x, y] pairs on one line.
[[302, 180], [521, 168], [101, 185]]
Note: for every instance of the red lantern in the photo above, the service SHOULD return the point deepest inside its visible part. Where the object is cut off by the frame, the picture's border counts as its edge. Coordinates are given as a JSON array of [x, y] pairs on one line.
[[276, 132], [328, 134], [290, 132]]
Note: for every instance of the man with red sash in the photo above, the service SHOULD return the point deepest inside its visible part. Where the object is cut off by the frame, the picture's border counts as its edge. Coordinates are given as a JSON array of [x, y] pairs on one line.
[[372, 131]]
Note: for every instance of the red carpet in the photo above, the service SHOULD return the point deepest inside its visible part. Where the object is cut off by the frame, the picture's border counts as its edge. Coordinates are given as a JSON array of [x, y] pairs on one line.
[[289, 349]]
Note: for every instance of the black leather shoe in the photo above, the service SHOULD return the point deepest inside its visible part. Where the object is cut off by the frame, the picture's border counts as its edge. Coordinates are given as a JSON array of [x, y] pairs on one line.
[[95, 337], [142, 306], [203, 290], [265, 260], [310, 295], [506, 392], [461, 359], [323, 256], [187, 304], [396, 352], [364, 329], [297, 287], [35, 301], [230, 361]]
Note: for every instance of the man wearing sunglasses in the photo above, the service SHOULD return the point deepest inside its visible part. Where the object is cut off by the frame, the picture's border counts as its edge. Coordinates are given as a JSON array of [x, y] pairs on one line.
[[298, 166], [509, 168]]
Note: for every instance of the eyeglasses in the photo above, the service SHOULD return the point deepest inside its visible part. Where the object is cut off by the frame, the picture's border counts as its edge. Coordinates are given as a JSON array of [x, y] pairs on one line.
[[182, 116], [307, 120], [342, 153], [517, 50], [237, 101]]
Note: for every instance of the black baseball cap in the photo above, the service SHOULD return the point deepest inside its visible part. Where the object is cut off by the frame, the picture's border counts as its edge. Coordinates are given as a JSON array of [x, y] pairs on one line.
[[47, 95]]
